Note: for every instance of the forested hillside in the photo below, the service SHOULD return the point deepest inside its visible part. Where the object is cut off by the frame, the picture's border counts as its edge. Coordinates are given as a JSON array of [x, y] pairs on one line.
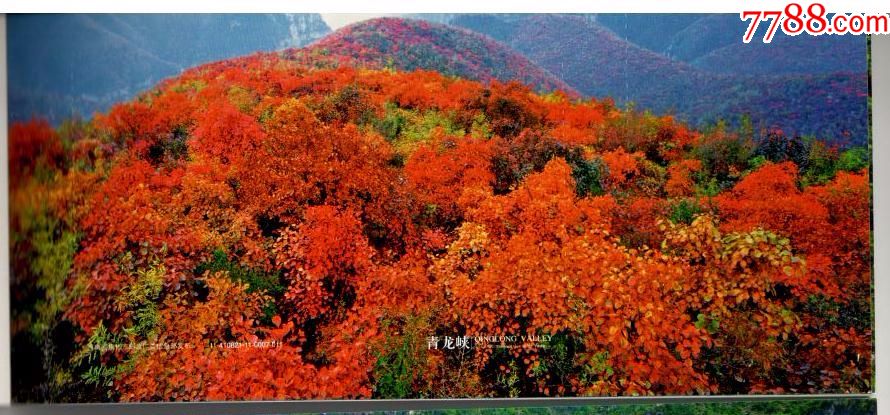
[[265, 228], [408, 44], [803, 85]]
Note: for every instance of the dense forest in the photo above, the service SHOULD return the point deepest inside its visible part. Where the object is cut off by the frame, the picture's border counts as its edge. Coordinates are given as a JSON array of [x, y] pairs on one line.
[[259, 229]]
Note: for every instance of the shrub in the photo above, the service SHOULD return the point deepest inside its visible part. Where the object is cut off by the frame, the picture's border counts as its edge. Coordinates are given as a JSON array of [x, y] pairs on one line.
[[684, 211]]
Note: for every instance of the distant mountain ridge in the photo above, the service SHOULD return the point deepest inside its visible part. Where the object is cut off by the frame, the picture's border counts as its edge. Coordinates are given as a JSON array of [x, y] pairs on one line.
[[708, 42], [62, 65]]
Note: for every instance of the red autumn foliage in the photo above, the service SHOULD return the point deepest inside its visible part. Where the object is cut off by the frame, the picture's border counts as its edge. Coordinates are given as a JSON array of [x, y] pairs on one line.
[[32, 145], [270, 202], [439, 175], [680, 181]]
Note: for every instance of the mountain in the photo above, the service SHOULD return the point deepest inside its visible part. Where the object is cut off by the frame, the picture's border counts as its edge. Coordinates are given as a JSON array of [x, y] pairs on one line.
[[590, 57], [61, 65], [596, 61], [704, 41], [656, 32], [788, 55], [408, 44], [701, 40], [683, 37]]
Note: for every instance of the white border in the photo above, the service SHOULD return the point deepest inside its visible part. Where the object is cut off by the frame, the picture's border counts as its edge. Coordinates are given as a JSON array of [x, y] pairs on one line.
[[5, 350], [880, 118], [880, 84]]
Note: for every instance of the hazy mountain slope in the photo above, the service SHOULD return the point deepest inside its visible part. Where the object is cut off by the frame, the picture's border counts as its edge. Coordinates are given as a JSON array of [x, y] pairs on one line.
[[655, 32], [788, 55], [61, 65], [713, 42], [597, 63]]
